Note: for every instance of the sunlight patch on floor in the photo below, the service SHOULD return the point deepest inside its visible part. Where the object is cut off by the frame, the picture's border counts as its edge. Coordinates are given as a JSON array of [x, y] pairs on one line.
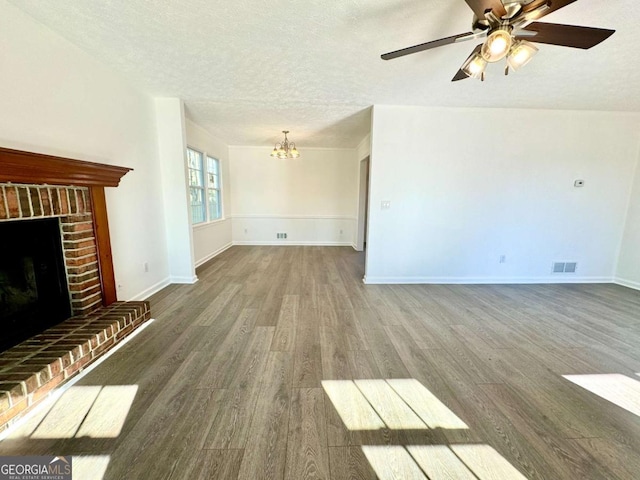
[[398, 404], [82, 411], [403, 405], [66, 416], [393, 411], [486, 463], [428, 407], [109, 412], [616, 388], [353, 408], [439, 462], [392, 463], [90, 467]]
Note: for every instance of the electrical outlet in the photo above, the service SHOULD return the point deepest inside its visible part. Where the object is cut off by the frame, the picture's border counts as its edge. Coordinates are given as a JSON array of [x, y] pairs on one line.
[[145, 266], [246, 230], [503, 259], [385, 204]]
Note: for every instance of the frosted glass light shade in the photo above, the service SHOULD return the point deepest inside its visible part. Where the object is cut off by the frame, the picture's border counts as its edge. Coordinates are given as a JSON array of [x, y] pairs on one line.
[[474, 67], [497, 46], [521, 54]]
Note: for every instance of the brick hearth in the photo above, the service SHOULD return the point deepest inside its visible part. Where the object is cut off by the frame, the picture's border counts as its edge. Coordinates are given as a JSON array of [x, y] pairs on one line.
[[35, 186], [31, 370]]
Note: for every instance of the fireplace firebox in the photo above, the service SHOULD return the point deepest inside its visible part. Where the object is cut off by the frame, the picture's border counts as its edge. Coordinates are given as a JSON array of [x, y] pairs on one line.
[[33, 285]]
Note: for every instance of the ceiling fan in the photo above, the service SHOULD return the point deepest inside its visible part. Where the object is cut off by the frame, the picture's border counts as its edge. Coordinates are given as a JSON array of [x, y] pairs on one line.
[[510, 29]]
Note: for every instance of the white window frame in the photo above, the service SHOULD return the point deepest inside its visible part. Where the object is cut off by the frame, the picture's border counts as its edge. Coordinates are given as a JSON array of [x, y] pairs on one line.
[[204, 172], [214, 189]]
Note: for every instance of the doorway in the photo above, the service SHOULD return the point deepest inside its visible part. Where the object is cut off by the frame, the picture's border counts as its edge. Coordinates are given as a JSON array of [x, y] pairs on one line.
[[363, 205]]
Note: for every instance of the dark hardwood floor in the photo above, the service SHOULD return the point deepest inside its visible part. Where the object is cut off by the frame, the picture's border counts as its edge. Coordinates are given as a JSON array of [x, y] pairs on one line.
[[281, 364]]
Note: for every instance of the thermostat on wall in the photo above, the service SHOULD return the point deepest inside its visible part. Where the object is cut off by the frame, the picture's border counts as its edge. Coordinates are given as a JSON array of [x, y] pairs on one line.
[[578, 183]]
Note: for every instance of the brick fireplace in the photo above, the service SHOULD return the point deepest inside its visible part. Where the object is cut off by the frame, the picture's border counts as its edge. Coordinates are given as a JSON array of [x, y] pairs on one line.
[[67, 195]]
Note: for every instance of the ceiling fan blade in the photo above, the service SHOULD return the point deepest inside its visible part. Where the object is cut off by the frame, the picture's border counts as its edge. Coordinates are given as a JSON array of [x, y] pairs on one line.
[[553, 6], [461, 75], [566, 35], [481, 6], [426, 46]]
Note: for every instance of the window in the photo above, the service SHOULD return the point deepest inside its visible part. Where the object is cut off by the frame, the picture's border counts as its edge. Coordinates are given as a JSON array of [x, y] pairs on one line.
[[204, 187], [196, 187], [213, 188]]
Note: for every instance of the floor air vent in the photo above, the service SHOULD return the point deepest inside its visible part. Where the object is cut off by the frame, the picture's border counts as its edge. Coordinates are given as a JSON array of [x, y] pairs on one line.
[[565, 267]]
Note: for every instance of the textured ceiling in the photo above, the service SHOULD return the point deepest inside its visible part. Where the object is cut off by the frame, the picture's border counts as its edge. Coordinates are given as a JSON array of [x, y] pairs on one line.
[[248, 69]]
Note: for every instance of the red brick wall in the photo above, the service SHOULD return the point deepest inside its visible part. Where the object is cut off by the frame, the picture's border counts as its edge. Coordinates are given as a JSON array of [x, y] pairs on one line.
[[73, 207]]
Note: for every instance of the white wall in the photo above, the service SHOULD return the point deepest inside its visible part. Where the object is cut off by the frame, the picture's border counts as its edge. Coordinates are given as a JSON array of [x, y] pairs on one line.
[[629, 263], [172, 146], [312, 198], [467, 186], [56, 99], [212, 238]]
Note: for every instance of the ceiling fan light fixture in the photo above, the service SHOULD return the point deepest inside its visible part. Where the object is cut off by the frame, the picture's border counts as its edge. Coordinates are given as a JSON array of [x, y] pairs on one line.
[[521, 54], [475, 66], [497, 45]]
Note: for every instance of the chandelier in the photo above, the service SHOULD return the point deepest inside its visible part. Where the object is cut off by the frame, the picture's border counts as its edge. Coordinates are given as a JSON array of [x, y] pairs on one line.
[[285, 149]]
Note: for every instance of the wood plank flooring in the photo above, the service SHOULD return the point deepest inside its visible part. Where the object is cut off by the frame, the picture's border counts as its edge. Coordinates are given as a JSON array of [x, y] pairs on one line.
[[420, 381]]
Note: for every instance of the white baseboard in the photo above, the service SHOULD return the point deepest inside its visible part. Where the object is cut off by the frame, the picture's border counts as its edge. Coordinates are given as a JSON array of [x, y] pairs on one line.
[[481, 280], [296, 217], [627, 283], [318, 230], [214, 254], [151, 290], [184, 280], [291, 243]]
